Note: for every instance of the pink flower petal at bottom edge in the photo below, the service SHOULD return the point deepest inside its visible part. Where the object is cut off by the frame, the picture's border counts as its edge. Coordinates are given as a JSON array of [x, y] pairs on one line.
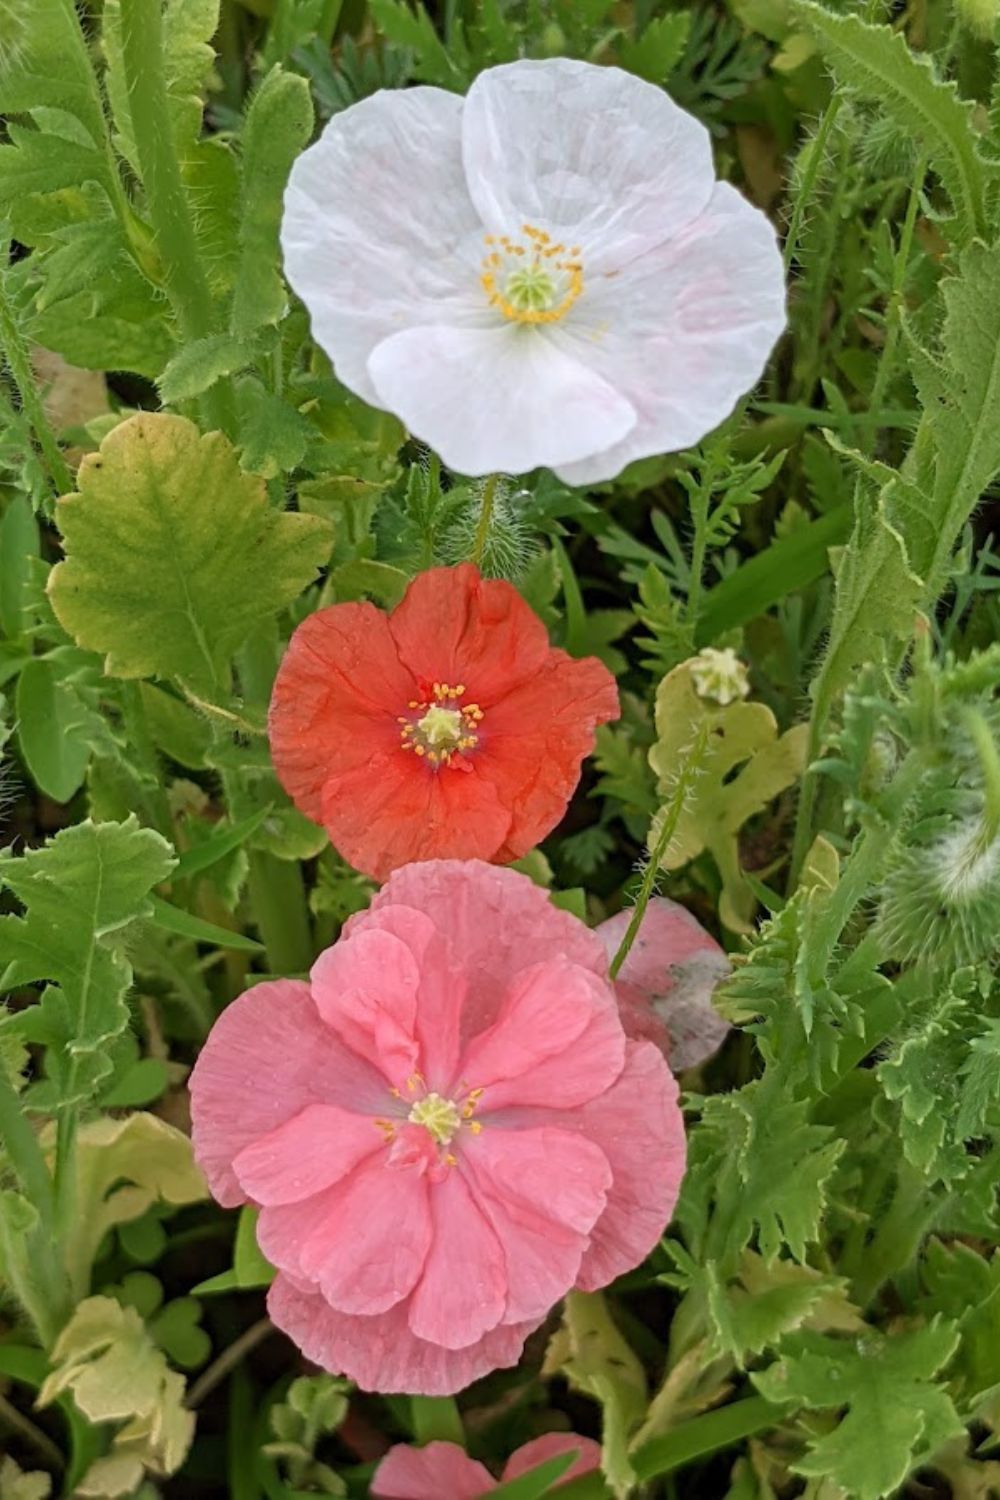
[[439, 1471], [380, 1353], [540, 1449]]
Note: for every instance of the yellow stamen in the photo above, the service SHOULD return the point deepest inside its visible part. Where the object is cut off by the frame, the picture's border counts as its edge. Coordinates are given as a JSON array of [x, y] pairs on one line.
[[538, 289]]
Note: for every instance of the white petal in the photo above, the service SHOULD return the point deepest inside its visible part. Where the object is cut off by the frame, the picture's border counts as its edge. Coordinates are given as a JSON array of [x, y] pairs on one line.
[[593, 155], [379, 232], [683, 332], [500, 399]]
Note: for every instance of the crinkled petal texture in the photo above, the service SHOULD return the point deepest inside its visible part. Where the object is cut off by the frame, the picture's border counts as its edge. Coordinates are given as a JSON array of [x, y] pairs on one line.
[[351, 693], [662, 310], [443, 1471], [444, 1131], [665, 985]]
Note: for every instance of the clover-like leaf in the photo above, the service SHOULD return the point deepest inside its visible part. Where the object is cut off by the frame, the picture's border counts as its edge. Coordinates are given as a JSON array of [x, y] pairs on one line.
[[173, 554], [746, 764]]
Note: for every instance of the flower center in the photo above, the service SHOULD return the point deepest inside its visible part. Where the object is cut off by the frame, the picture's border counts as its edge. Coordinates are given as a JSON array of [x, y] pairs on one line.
[[534, 280], [440, 728], [439, 1117]]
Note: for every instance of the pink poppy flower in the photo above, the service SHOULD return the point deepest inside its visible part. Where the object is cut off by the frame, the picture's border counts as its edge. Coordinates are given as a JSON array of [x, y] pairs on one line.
[[665, 985], [446, 1129], [442, 1471]]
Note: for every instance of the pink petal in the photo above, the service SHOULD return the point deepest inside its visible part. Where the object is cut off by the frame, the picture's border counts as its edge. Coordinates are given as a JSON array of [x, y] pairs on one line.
[[363, 1242], [442, 989], [550, 1445], [441, 1471], [543, 1190], [496, 923], [557, 1040], [365, 988], [267, 1057], [306, 1154], [463, 1291], [670, 973], [639, 1127], [381, 1353]]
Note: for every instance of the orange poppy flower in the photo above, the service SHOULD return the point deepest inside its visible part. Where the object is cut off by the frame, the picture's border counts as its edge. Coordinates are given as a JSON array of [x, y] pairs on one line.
[[449, 728]]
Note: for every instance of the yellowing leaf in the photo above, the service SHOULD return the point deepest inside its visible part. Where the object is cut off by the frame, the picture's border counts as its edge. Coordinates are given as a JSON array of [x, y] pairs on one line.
[[173, 554], [106, 1358], [595, 1358], [746, 764], [123, 1166]]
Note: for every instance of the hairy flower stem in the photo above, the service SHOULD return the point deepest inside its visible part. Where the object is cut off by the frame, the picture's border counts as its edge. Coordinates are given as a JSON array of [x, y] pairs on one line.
[[481, 537], [169, 211], [228, 1360], [671, 816], [16, 355]]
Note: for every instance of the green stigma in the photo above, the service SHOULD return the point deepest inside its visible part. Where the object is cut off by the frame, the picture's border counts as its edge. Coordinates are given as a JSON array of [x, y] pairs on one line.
[[530, 288], [438, 1116]]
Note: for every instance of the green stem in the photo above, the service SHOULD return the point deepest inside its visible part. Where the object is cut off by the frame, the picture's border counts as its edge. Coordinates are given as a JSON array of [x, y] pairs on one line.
[[166, 200], [228, 1360], [43, 1445], [671, 816], [481, 537], [16, 354], [24, 1152], [803, 198], [699, 514], [278, 898], [989, 763]]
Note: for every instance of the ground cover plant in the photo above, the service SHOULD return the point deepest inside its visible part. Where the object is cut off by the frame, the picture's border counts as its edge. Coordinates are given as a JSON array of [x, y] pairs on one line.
[[500, 776]]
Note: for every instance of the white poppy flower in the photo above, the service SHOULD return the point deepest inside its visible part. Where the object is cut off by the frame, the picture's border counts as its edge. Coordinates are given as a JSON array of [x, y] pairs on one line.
[[543, 273]]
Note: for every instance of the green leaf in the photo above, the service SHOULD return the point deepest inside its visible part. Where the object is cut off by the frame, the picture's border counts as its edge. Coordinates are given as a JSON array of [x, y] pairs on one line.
[[436, 1419], [52, 729], [203, 856], [660, 48], [80, 892], [962, 397], [980, 1082], [414, 29], [185, 924], [769, 1166], [250, 1267], [893, 1414], [537, 1481], [198, 366], [278, 125], [18, 549], [177, 729], [961, 1284], [188, 28], [215, 559], [36, 162], [877, 62]]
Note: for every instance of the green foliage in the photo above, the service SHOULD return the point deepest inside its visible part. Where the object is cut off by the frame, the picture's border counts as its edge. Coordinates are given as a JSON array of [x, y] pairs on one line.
[[894, 1412], [79, 892]]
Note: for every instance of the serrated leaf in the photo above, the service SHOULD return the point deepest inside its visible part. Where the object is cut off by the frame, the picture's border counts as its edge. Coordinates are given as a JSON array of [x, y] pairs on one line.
[[213, 558], [414, 29], [36, 162], [188, 28], [980, 1082], [877, 62], [893, 1411], [742, 739], [199, 364], [660, 48], [80, 891], [278, 125], [18, 550], [107, 1359]]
